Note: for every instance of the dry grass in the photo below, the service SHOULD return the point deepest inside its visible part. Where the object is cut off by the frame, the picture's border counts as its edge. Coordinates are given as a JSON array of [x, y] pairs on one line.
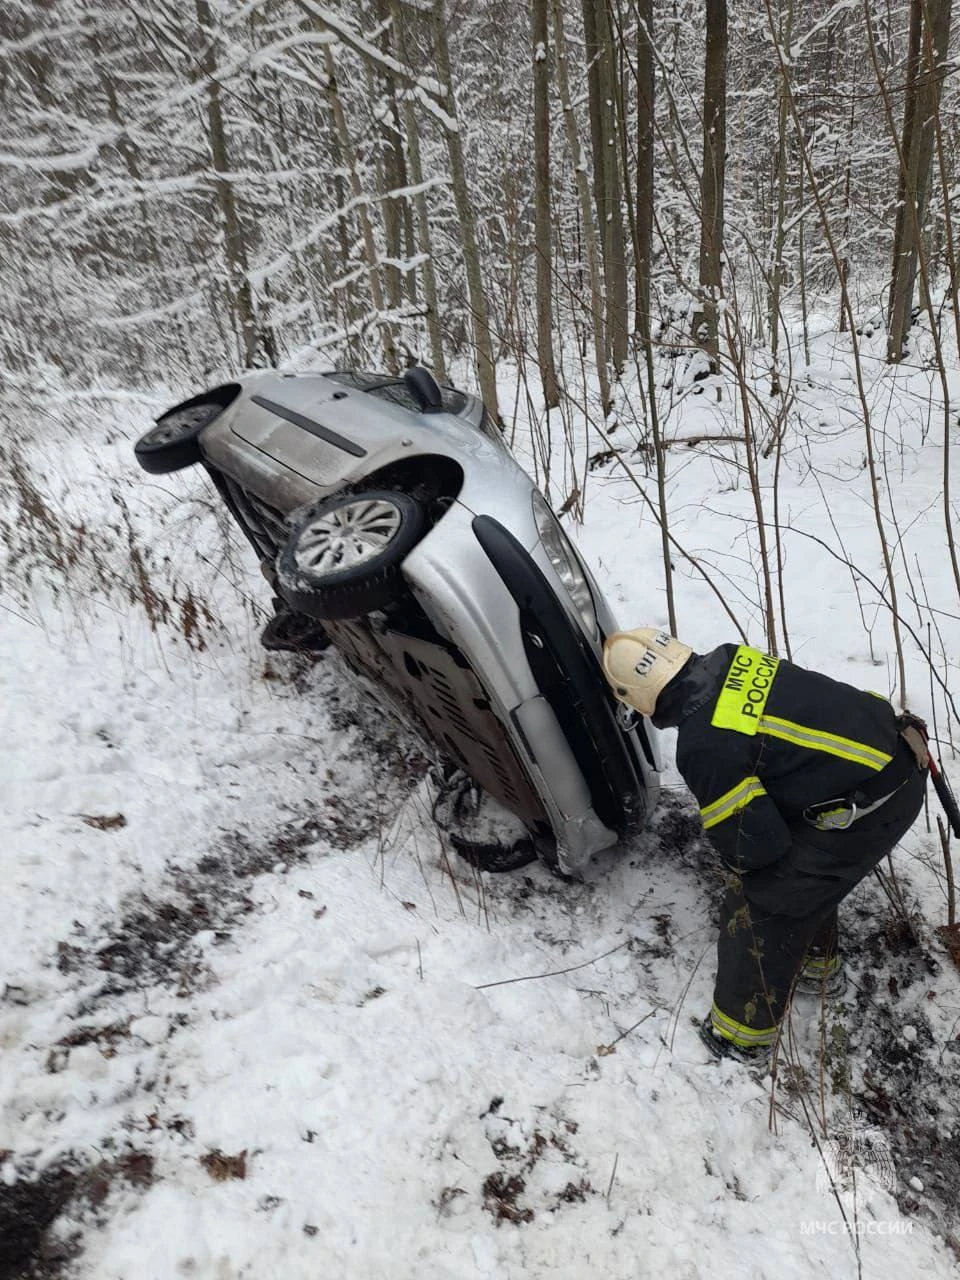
[[103, 557]]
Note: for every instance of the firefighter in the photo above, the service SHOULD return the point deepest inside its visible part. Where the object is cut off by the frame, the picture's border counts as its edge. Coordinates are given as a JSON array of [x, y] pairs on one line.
[[804, 785]]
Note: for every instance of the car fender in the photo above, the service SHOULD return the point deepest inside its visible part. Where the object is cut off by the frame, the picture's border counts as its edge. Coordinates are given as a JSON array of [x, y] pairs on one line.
[[482, 621]]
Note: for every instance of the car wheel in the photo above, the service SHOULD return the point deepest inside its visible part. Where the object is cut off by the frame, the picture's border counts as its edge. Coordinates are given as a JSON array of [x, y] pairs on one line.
[[459, 809], [343, 554], [494, 858], [174, 443]]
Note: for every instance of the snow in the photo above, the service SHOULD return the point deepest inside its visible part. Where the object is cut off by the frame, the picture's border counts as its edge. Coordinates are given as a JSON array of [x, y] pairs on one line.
[[277, 963]]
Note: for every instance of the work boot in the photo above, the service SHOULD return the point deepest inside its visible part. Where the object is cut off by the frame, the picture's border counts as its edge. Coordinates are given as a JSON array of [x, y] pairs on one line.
[[821, 976], [722, 1048]]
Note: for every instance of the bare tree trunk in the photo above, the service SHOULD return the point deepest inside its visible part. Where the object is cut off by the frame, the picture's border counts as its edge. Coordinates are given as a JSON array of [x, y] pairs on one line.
[[486, 365], [844, 272], [234, 247], [396, 210], [642, 222], [776, 273], [424, 241], [929, 37], [711, 177], [614, 236], [739, 360], [804, 310], [622, 123], [543, 230], [586, 212], [356, 191], [385, 180], [349, 313], [825, 223], [906, 153], [645, 178], [601, 71], [923, 262], [128, 153]]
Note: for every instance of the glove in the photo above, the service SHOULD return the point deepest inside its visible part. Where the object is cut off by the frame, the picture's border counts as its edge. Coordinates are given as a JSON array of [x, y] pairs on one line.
[[913, 731]]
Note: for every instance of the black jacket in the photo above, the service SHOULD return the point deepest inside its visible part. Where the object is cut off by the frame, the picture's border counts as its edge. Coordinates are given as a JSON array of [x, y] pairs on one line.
[[760, 740]]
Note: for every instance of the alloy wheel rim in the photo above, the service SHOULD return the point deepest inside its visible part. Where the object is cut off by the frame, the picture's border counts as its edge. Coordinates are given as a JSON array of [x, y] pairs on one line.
[[347, 537]]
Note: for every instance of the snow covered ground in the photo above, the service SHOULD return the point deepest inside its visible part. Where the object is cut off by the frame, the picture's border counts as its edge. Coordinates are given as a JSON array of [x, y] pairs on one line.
[[258, 1021]]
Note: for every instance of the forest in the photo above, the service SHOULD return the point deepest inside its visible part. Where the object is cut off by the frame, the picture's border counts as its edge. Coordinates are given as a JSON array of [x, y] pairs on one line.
[[209, 186], [575, 191]]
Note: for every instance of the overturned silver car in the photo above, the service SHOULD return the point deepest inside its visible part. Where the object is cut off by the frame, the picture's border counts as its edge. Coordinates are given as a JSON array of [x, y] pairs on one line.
[[391, 511]]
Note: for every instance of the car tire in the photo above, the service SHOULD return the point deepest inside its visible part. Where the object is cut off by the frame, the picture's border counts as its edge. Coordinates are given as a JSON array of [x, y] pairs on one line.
[[343, 554], [455, 810], [174, 442], [494, 858]]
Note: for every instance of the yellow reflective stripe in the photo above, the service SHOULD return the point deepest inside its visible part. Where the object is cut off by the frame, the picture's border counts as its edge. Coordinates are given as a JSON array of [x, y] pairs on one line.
[[746, 687], [743, 1036], [821, 966], [832, 813], [732, 801], [818, 740]]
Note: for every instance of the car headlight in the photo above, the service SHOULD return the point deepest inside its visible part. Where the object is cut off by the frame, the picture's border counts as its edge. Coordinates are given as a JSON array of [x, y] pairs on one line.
[[565, 564]]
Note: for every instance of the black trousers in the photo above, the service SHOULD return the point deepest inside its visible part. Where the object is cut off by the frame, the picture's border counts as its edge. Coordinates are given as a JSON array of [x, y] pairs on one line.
[[769, 918]]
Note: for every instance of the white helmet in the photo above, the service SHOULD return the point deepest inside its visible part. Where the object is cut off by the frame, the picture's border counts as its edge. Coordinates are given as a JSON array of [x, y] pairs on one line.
[[639, 664]]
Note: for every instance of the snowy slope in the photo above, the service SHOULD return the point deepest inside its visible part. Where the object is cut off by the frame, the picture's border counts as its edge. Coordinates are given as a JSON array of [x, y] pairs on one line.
[[266, 1024]]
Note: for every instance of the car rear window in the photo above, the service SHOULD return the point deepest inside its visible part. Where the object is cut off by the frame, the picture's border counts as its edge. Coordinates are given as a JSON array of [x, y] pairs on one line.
[[395, 390]]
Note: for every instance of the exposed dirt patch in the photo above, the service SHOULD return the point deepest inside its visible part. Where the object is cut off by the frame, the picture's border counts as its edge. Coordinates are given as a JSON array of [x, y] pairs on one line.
[[448, 1196], [223, 1168], [31, 1246], [574, 1192], [154, 940], [501, 1198], [949, 935], [27, 1211], [103, 821], [381, 739], [902, 1079], [160, 941], [529, 1160], [151, 943], [677, 826]]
